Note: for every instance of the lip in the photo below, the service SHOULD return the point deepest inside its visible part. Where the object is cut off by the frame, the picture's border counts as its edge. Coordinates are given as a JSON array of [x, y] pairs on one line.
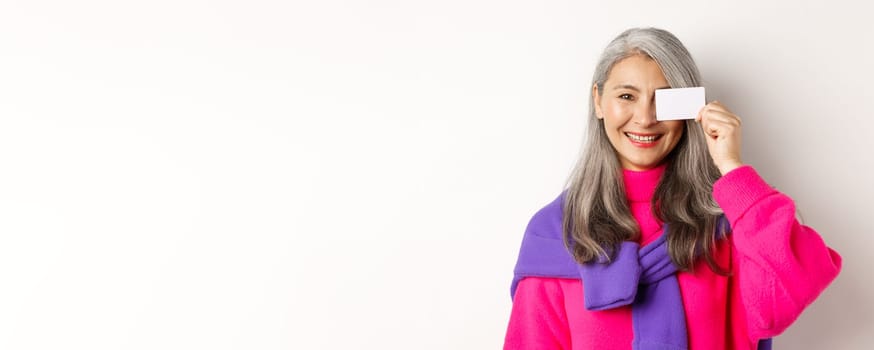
[[641, 134], [641, 144]]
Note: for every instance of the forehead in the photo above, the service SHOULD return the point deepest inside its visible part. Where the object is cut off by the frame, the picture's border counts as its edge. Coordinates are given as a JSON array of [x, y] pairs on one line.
[[637, 70]]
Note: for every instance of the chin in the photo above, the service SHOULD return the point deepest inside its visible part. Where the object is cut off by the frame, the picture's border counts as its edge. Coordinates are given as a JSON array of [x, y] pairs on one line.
[[647, 164]]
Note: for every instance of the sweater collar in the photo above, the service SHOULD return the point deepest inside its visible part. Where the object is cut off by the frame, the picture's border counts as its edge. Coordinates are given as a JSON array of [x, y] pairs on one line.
[[641, 185]]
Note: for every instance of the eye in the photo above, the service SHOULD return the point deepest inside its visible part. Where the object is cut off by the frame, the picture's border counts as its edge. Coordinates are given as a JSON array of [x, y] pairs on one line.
[[626, 97]]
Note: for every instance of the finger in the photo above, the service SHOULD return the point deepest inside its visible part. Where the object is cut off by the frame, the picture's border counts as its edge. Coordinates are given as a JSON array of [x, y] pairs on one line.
[[711, 128], [715, 120], [713, 105], [723, 116], [718, 129], [716, 105], [700, 111], [717, 114], [714, 130]]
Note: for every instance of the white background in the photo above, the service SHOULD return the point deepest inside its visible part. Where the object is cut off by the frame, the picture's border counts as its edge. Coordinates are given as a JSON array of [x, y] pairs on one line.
[[358, 174]]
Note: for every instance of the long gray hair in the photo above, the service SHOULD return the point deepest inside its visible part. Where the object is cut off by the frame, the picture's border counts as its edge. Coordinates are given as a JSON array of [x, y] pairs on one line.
[[596, 214]]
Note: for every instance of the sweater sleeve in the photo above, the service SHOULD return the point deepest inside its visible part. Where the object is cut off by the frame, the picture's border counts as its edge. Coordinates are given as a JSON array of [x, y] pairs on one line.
[[538, 319], [783, 264]]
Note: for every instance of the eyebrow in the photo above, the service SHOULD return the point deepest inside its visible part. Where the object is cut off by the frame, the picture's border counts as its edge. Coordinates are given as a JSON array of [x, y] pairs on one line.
[[632, 87]]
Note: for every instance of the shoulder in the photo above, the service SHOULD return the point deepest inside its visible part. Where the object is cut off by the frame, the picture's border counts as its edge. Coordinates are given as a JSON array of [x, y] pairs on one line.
[[548, 287], [547, 222], [543, 252]]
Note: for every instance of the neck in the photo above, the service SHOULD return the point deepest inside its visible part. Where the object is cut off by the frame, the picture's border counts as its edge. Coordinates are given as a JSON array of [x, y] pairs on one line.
[[640, 185]]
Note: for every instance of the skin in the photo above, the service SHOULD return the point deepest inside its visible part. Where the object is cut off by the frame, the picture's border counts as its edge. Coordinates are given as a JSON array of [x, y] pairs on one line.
[[628, 106]]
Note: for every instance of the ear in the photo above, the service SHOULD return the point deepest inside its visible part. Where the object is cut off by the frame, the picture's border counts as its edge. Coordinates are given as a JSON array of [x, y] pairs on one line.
[[596, 97]]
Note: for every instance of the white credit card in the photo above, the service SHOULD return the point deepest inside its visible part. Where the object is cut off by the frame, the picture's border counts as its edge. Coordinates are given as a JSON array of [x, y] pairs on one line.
[[680, 103]]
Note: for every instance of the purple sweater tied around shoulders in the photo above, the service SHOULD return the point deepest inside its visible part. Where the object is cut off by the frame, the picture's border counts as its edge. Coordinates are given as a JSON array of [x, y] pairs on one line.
[[644, 278]]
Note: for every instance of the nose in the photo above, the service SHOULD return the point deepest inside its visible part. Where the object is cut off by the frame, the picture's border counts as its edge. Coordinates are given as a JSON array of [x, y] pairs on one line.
[[645, 113]]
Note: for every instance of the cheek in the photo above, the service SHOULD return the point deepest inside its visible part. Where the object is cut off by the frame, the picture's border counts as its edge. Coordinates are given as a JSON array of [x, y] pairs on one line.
[[617, 113], [677, 130]]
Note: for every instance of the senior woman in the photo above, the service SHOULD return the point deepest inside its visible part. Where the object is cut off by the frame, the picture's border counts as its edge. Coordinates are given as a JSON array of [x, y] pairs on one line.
[[663, 238]]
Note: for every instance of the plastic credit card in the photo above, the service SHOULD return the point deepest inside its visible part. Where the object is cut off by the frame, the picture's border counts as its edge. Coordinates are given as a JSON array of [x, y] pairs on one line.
[[680, 103]]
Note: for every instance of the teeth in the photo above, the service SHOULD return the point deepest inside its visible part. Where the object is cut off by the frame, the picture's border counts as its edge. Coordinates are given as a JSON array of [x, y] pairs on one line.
[[641, 138]]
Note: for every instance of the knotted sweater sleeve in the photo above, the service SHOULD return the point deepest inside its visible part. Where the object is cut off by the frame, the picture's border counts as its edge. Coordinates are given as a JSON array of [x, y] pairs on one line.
[[783, 265]]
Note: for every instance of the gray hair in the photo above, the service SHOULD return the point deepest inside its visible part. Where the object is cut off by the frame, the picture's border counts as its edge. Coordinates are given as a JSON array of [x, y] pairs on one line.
[[596, 213]]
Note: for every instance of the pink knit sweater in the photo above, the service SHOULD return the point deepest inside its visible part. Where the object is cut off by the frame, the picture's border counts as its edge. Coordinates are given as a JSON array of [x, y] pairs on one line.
[[778, 268]]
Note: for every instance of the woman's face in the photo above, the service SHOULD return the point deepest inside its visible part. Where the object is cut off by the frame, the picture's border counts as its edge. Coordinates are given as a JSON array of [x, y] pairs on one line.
[[627, 109]]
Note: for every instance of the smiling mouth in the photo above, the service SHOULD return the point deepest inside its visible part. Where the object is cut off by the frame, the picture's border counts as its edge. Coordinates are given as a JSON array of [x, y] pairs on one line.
[[643, 138]]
